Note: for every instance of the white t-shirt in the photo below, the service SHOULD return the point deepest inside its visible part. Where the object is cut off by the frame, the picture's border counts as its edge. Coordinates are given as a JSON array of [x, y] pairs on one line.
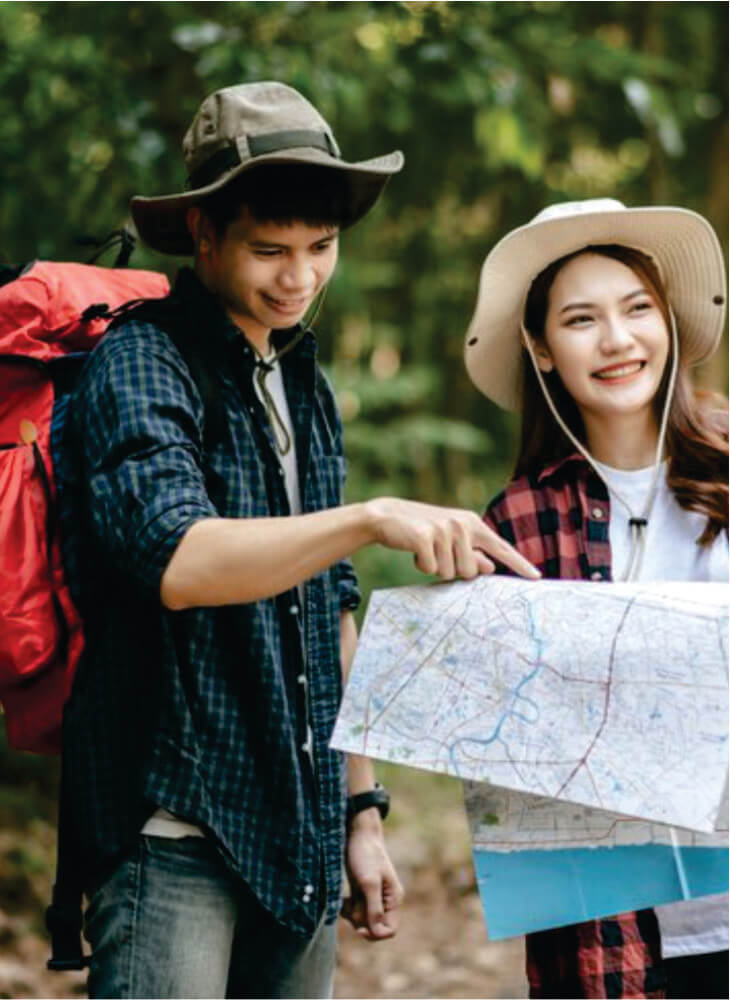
[[162, 823], [695, 926]]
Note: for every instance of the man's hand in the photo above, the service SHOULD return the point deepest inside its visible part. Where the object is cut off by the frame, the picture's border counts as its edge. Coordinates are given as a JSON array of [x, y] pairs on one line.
[[444, 541], [223, 560], [376, 892]]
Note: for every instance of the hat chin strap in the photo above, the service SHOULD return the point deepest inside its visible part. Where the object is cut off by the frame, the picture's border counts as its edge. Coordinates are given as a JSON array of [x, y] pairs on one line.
[[638, 524], [264, 366]]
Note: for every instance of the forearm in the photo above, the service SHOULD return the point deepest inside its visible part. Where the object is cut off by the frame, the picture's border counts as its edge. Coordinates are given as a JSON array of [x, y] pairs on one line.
[[236, 560]]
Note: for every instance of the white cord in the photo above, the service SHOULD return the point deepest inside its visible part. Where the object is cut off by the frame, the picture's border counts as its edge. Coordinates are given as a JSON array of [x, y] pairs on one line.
[[638, 525]]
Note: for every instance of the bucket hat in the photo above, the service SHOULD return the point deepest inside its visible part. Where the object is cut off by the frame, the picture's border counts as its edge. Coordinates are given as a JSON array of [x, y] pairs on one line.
[[681, 243], [245, 126]]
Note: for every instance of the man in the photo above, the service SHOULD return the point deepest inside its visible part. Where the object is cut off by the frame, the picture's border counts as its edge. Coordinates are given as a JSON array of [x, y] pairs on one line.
[[205, 801]]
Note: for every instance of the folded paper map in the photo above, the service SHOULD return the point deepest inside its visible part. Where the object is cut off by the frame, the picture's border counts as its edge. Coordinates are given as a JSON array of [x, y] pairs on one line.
[[541, 863], [612, 696], [591, 721]]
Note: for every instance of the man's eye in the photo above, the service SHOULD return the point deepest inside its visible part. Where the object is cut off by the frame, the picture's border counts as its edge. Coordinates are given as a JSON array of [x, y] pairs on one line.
[[267, 253]]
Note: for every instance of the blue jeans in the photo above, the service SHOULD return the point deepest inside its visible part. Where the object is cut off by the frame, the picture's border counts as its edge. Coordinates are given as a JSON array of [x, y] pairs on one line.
[[171, 921]]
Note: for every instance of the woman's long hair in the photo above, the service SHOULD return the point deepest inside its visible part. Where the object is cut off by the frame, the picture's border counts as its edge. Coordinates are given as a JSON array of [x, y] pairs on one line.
[[696, 439]]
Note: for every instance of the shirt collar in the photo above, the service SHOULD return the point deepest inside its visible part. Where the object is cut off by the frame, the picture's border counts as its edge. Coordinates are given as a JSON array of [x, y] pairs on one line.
[[555, 467]]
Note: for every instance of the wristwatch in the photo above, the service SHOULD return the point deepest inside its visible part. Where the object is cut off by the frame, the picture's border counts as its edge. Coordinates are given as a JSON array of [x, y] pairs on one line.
[[378, 797]]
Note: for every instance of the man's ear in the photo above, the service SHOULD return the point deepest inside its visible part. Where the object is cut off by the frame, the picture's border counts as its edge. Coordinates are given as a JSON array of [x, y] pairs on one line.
[[197, 227]]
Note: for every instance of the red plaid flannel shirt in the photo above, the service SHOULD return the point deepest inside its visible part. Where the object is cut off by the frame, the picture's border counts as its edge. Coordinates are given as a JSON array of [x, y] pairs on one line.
[[559, 520]]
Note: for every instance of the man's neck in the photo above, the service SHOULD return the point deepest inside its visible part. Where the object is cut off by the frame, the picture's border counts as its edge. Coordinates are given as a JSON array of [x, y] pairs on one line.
[[259, 340], [257, 335]]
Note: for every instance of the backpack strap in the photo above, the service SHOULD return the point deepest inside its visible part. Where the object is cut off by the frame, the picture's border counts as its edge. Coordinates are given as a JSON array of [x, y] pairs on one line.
[[170, 315], [64, 918]]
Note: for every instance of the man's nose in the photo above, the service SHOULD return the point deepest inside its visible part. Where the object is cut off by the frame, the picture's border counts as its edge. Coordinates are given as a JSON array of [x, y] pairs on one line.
[[297, 274]]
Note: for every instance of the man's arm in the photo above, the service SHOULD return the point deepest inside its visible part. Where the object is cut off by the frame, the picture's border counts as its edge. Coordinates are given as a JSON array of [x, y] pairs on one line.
[[376, 892], [235, 560]]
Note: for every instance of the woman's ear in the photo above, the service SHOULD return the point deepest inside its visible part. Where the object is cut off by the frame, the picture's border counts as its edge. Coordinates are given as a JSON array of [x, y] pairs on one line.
[[543, 355]]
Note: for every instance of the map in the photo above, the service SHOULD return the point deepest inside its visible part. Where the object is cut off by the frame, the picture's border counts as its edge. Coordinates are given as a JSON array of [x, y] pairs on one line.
[[501, 820], [611, 696], [575, 863]]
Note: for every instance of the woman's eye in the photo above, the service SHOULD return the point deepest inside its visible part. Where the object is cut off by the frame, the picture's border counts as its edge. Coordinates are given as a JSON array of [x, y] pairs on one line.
[[580, 319], [638, 307]]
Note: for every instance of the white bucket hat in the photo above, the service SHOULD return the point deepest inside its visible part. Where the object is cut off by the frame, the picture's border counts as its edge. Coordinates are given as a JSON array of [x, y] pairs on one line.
[[681, 243]]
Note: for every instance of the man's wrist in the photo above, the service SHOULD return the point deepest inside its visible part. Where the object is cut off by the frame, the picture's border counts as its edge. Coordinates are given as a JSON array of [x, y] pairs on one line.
[[374, 798]]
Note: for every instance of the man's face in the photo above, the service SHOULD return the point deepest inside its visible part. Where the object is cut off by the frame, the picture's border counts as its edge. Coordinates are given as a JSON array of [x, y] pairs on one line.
[[268, 274]]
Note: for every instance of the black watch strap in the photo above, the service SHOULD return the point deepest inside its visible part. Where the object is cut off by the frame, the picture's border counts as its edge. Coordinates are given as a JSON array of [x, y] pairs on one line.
[[378, 797]]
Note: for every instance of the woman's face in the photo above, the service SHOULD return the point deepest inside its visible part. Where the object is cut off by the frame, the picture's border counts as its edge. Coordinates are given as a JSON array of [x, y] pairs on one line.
[[606, 337]]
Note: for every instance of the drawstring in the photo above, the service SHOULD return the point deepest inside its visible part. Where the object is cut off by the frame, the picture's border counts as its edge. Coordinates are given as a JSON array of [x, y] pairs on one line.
[[264, 366], [637, 524]]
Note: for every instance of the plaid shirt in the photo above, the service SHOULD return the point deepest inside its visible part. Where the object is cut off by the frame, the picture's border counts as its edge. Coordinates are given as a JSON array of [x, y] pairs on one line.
[[559, 520], [204, 712]]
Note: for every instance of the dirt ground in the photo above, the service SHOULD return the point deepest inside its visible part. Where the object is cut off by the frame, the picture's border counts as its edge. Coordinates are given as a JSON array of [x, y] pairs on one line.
[[441, 949]]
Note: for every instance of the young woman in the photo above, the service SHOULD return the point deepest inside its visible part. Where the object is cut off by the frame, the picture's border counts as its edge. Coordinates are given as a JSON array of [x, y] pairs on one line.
[[588, 320]]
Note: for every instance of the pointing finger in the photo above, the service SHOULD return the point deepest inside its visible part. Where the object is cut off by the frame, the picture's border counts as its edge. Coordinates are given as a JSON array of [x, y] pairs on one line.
[[504, 553]]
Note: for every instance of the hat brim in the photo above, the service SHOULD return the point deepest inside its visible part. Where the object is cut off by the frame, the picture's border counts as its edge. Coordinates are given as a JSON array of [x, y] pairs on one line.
[[161, 221], [681, 242]]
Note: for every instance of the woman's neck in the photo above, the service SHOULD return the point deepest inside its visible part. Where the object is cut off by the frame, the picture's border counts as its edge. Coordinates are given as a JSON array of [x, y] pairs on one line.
[[623, 442]]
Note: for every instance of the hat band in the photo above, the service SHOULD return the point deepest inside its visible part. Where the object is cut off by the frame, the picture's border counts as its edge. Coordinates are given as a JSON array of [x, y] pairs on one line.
[[270, 142]]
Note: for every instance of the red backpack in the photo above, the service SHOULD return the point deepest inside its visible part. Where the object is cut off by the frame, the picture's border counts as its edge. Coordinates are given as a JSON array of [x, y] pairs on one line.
[[51, 316]]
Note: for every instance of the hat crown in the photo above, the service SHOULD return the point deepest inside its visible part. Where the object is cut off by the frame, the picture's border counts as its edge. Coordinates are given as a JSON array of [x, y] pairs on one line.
[[570, 209], [228, 117]]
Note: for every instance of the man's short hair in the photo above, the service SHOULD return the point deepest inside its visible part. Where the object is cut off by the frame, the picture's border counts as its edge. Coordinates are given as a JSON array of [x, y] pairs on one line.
[[282, 193]]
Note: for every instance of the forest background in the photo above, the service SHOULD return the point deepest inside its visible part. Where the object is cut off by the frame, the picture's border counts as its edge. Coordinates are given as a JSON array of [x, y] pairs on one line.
[[500, 109]]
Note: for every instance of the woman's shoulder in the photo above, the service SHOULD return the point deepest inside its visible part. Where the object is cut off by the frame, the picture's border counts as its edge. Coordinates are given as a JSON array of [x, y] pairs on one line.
[[539, 489], [519, 493]]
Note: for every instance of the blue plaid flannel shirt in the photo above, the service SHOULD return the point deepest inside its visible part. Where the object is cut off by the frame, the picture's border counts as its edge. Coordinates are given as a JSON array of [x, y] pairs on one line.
[[204, 712]]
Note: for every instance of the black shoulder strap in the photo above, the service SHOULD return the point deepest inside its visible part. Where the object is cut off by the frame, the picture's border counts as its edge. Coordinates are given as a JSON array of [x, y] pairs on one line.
[[64, 915], [64, 918], [171, 316]]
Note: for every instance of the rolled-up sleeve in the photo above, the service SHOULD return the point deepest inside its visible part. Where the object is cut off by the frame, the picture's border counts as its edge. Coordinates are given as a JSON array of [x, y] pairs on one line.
[[138, 419], [348, 590]]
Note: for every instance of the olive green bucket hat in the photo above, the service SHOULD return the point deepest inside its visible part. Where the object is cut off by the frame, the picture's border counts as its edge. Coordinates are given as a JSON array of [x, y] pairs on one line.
[[245, 126]]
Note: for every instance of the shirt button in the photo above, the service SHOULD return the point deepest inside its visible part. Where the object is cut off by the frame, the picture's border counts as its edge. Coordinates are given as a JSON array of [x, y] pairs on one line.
[[302, 679], [308, 889], [281, 471], [597, 513], [294, 609], [597, 575]]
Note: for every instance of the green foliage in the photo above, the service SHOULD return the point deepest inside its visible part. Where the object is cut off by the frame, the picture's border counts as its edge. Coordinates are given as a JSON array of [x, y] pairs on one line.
[[500, 108]]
